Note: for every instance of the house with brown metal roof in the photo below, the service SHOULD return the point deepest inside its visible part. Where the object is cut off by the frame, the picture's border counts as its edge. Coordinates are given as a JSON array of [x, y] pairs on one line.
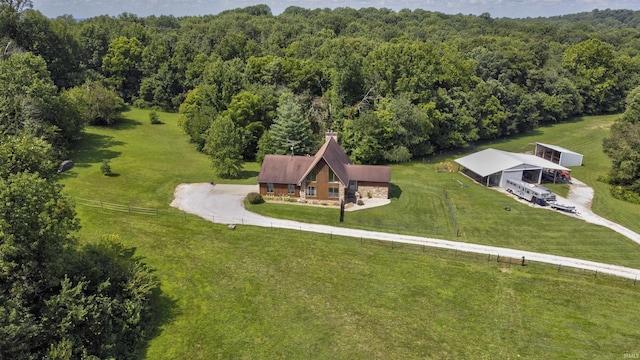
[[329, 175]]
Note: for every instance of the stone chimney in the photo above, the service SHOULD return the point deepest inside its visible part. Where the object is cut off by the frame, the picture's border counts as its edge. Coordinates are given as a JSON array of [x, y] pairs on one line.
[[330, 134]]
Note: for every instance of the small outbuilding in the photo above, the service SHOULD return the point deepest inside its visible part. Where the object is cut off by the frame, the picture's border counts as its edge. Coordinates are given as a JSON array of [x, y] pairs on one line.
[[492, 167], [558, 155]]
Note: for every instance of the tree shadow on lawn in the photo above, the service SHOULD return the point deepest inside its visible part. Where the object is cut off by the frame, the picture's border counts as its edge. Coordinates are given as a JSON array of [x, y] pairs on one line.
[[164, 310], [93, 149], [125, 124], [394, 191], [247, 174]]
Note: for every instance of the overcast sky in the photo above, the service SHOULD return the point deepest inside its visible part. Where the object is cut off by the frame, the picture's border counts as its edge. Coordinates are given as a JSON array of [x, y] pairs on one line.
[[497, 8]]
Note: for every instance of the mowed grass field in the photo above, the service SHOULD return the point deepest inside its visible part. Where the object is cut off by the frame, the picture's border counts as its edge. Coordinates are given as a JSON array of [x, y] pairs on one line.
[[418, 206], [259, 293]]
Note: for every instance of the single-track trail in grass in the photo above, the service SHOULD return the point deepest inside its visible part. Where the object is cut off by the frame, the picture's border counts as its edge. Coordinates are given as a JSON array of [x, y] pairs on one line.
[[224, 204]]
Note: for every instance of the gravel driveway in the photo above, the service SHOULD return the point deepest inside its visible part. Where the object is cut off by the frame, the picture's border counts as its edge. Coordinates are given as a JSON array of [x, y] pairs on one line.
[[224, 204], [581, 195]]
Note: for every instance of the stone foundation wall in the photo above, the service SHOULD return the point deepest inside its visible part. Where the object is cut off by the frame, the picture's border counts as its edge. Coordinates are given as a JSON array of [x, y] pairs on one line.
[[376, 191]]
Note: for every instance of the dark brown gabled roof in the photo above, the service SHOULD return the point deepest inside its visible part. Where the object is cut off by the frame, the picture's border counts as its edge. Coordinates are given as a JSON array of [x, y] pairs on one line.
[[335, 157], [283, 169], [371, 173], [290, 169]]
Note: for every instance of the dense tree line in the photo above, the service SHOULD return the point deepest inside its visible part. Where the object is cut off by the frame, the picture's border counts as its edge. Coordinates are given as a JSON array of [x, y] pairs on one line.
[[395, 85], [623, 147], [58, 300]]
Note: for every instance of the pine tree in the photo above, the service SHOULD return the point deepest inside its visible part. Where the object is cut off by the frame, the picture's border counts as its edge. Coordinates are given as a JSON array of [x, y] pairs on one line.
[[291, 131], [225, 146]]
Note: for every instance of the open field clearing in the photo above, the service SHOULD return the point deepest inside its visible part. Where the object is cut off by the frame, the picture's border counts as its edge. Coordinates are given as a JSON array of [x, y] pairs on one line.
[[261, 293]]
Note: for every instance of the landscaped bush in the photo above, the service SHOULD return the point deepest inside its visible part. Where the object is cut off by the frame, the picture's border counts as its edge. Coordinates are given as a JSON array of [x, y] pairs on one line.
[[254, 198], [105, 168], [360, 202], [154, 118]]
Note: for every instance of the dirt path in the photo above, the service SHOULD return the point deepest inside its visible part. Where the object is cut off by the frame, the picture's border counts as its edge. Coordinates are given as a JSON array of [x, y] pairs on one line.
[[224, 204]]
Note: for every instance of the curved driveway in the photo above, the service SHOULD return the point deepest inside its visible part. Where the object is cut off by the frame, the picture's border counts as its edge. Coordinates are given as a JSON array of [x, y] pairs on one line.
[[224, 204]]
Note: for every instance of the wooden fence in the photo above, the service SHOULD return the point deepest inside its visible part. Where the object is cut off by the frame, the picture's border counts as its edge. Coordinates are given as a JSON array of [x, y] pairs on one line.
[[117, 207]]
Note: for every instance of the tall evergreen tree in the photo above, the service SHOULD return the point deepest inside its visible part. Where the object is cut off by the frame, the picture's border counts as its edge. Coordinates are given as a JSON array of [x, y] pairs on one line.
[[291, 131]]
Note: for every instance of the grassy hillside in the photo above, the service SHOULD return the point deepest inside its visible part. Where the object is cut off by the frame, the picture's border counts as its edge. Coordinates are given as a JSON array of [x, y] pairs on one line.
[[256, 293], [148, 161]]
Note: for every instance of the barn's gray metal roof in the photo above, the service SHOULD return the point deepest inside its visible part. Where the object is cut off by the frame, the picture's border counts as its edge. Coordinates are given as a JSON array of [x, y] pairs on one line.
[[491, 161], [558, 148]]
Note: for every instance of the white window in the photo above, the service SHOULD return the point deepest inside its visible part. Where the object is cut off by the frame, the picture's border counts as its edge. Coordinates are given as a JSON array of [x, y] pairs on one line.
[[334, 192], [332, 177], [313, 176], [311, 191], [269, 188], [291, 189]]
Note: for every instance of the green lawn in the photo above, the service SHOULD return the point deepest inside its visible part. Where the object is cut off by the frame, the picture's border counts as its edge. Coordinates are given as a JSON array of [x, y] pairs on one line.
[[420, 209], [584, 136], [147, 162], [261, 293]]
